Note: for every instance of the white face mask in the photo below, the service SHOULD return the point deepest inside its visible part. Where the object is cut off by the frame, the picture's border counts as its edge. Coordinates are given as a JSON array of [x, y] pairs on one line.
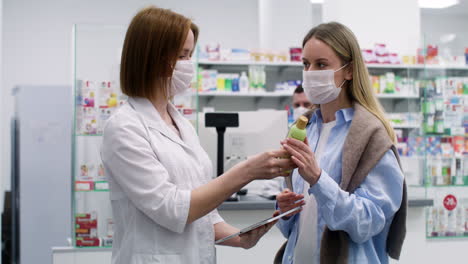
[[319, 86], [181, 77], [297, 112]]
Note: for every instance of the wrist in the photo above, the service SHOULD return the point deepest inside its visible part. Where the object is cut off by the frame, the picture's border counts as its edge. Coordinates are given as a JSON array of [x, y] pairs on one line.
[[244, 171], [315, 177]]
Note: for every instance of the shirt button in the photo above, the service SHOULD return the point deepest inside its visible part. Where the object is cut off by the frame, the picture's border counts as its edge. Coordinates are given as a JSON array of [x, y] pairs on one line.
[[289, 257]]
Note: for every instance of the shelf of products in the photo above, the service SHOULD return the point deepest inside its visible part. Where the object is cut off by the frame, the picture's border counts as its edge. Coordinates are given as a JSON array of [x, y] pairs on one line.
[[369, 65], [97, 96], [445, 125], [286, 94]]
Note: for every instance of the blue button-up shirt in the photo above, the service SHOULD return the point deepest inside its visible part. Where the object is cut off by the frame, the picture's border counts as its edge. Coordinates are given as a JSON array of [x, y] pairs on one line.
[[365, 215]]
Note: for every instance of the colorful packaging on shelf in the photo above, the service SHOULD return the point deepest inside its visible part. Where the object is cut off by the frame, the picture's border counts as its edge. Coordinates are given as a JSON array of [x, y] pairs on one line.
[[369, 56], [107, 95], [106, 241], [458, 145], [88, 93], [104, 114], [110, 227], [213, 51], [86, 229], [101, 172], [416, 146], [87, 242], [87, 171], [88, 121], [381, 53], [295, 54]]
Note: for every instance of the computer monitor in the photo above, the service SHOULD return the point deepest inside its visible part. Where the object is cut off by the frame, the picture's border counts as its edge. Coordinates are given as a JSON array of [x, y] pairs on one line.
[[258, 131]]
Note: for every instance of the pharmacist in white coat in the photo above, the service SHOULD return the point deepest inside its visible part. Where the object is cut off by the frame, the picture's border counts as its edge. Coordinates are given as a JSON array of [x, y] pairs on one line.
[[163, 195]]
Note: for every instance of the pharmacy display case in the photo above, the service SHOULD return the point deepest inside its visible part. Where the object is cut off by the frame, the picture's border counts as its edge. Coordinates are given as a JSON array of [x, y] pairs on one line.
[[96, 96], [445, 127]]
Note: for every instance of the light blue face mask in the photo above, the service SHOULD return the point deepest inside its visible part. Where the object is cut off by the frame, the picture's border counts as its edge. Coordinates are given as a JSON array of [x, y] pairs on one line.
[[319, 86]]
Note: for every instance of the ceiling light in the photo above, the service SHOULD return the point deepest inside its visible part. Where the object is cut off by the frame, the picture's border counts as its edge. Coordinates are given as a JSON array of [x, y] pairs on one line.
[[316, 1], [437, 3]]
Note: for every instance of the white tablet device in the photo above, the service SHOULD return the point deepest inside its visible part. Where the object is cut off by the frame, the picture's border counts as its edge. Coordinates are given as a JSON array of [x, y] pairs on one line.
[[263, 222]]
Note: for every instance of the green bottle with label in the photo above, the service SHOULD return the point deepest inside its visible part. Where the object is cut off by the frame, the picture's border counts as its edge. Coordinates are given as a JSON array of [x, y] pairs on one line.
[[297, 131]]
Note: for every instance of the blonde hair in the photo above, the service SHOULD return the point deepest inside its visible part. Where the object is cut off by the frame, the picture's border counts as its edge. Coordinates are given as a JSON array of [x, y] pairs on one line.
[[345, 45]]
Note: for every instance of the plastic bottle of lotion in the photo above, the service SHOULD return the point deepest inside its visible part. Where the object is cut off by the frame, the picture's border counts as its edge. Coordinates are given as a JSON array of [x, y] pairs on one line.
[[297, 131], [244, 83]]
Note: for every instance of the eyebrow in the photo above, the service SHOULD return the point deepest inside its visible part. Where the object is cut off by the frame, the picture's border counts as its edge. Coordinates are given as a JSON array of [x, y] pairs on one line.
[[319, 59]]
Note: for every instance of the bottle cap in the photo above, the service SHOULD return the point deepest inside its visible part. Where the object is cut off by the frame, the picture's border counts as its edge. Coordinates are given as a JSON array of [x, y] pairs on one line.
[[302, 122]]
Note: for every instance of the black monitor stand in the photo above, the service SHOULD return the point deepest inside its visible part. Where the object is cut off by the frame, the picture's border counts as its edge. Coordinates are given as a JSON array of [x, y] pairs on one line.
[[221, 121]]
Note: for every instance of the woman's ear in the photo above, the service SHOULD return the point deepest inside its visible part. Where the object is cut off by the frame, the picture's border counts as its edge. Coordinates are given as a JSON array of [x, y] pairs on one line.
[[349, 71]]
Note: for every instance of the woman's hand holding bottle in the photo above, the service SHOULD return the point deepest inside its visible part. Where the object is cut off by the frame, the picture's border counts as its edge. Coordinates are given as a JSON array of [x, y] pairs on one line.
[[268, 165], [304, 158]]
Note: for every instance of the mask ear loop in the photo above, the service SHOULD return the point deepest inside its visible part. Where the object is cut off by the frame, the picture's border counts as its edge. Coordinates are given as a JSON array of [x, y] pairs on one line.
[[340, 70], [342, 83]]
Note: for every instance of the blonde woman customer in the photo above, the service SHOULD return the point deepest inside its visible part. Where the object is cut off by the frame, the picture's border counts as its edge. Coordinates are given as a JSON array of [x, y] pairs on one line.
[[348, 169], [162, 190]]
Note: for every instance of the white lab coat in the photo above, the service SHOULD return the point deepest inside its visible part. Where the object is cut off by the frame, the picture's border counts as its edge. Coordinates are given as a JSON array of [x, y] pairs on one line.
[[151, 173]]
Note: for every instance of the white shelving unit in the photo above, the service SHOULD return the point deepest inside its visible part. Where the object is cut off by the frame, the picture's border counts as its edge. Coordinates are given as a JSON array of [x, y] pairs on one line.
[[411, 126], [246, 94], [370, 66], [287, 94]]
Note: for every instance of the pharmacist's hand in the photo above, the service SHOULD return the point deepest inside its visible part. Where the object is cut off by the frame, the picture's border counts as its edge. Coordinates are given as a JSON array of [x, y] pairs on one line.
[[288, 200], [304, 158], [268, 165], [250, 239]]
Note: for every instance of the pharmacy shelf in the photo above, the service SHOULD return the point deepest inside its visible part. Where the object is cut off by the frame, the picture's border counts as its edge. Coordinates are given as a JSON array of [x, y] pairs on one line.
[[88, 135], [369, 65], [397, 96], [91, 186], [447, 237], [287, 93], [265, 63], [251, 202], [411, 126], [246, 94]]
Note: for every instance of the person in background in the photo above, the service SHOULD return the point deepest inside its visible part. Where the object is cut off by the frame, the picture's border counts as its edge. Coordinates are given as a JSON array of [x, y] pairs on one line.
[[348, 167], [162, 191], [300, 102]]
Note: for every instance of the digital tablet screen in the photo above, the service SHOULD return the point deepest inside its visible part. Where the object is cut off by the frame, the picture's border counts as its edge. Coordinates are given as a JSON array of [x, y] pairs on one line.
[[258, 224]]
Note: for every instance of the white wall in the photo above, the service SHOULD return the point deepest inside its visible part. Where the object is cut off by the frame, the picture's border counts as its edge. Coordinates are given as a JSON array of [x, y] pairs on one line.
[[395, 23], [283, 24], [434, 26], [37, 39]]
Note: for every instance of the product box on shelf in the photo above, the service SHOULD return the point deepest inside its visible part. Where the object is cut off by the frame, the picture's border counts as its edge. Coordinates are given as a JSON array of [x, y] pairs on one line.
[[390, 83], [95, 103], [87, 242], [448, 217], [86, 224]]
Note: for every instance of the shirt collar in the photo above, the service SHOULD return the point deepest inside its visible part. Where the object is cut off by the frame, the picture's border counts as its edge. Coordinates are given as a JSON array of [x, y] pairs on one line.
[[344, 115]]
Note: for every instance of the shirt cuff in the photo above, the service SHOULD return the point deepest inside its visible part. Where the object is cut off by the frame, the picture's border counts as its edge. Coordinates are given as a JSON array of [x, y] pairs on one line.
[[215, 217], [325, 190], [182, 207]]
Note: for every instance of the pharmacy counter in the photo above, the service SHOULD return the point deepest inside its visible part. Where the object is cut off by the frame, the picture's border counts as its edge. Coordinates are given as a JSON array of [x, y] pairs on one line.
[[249, 202]]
